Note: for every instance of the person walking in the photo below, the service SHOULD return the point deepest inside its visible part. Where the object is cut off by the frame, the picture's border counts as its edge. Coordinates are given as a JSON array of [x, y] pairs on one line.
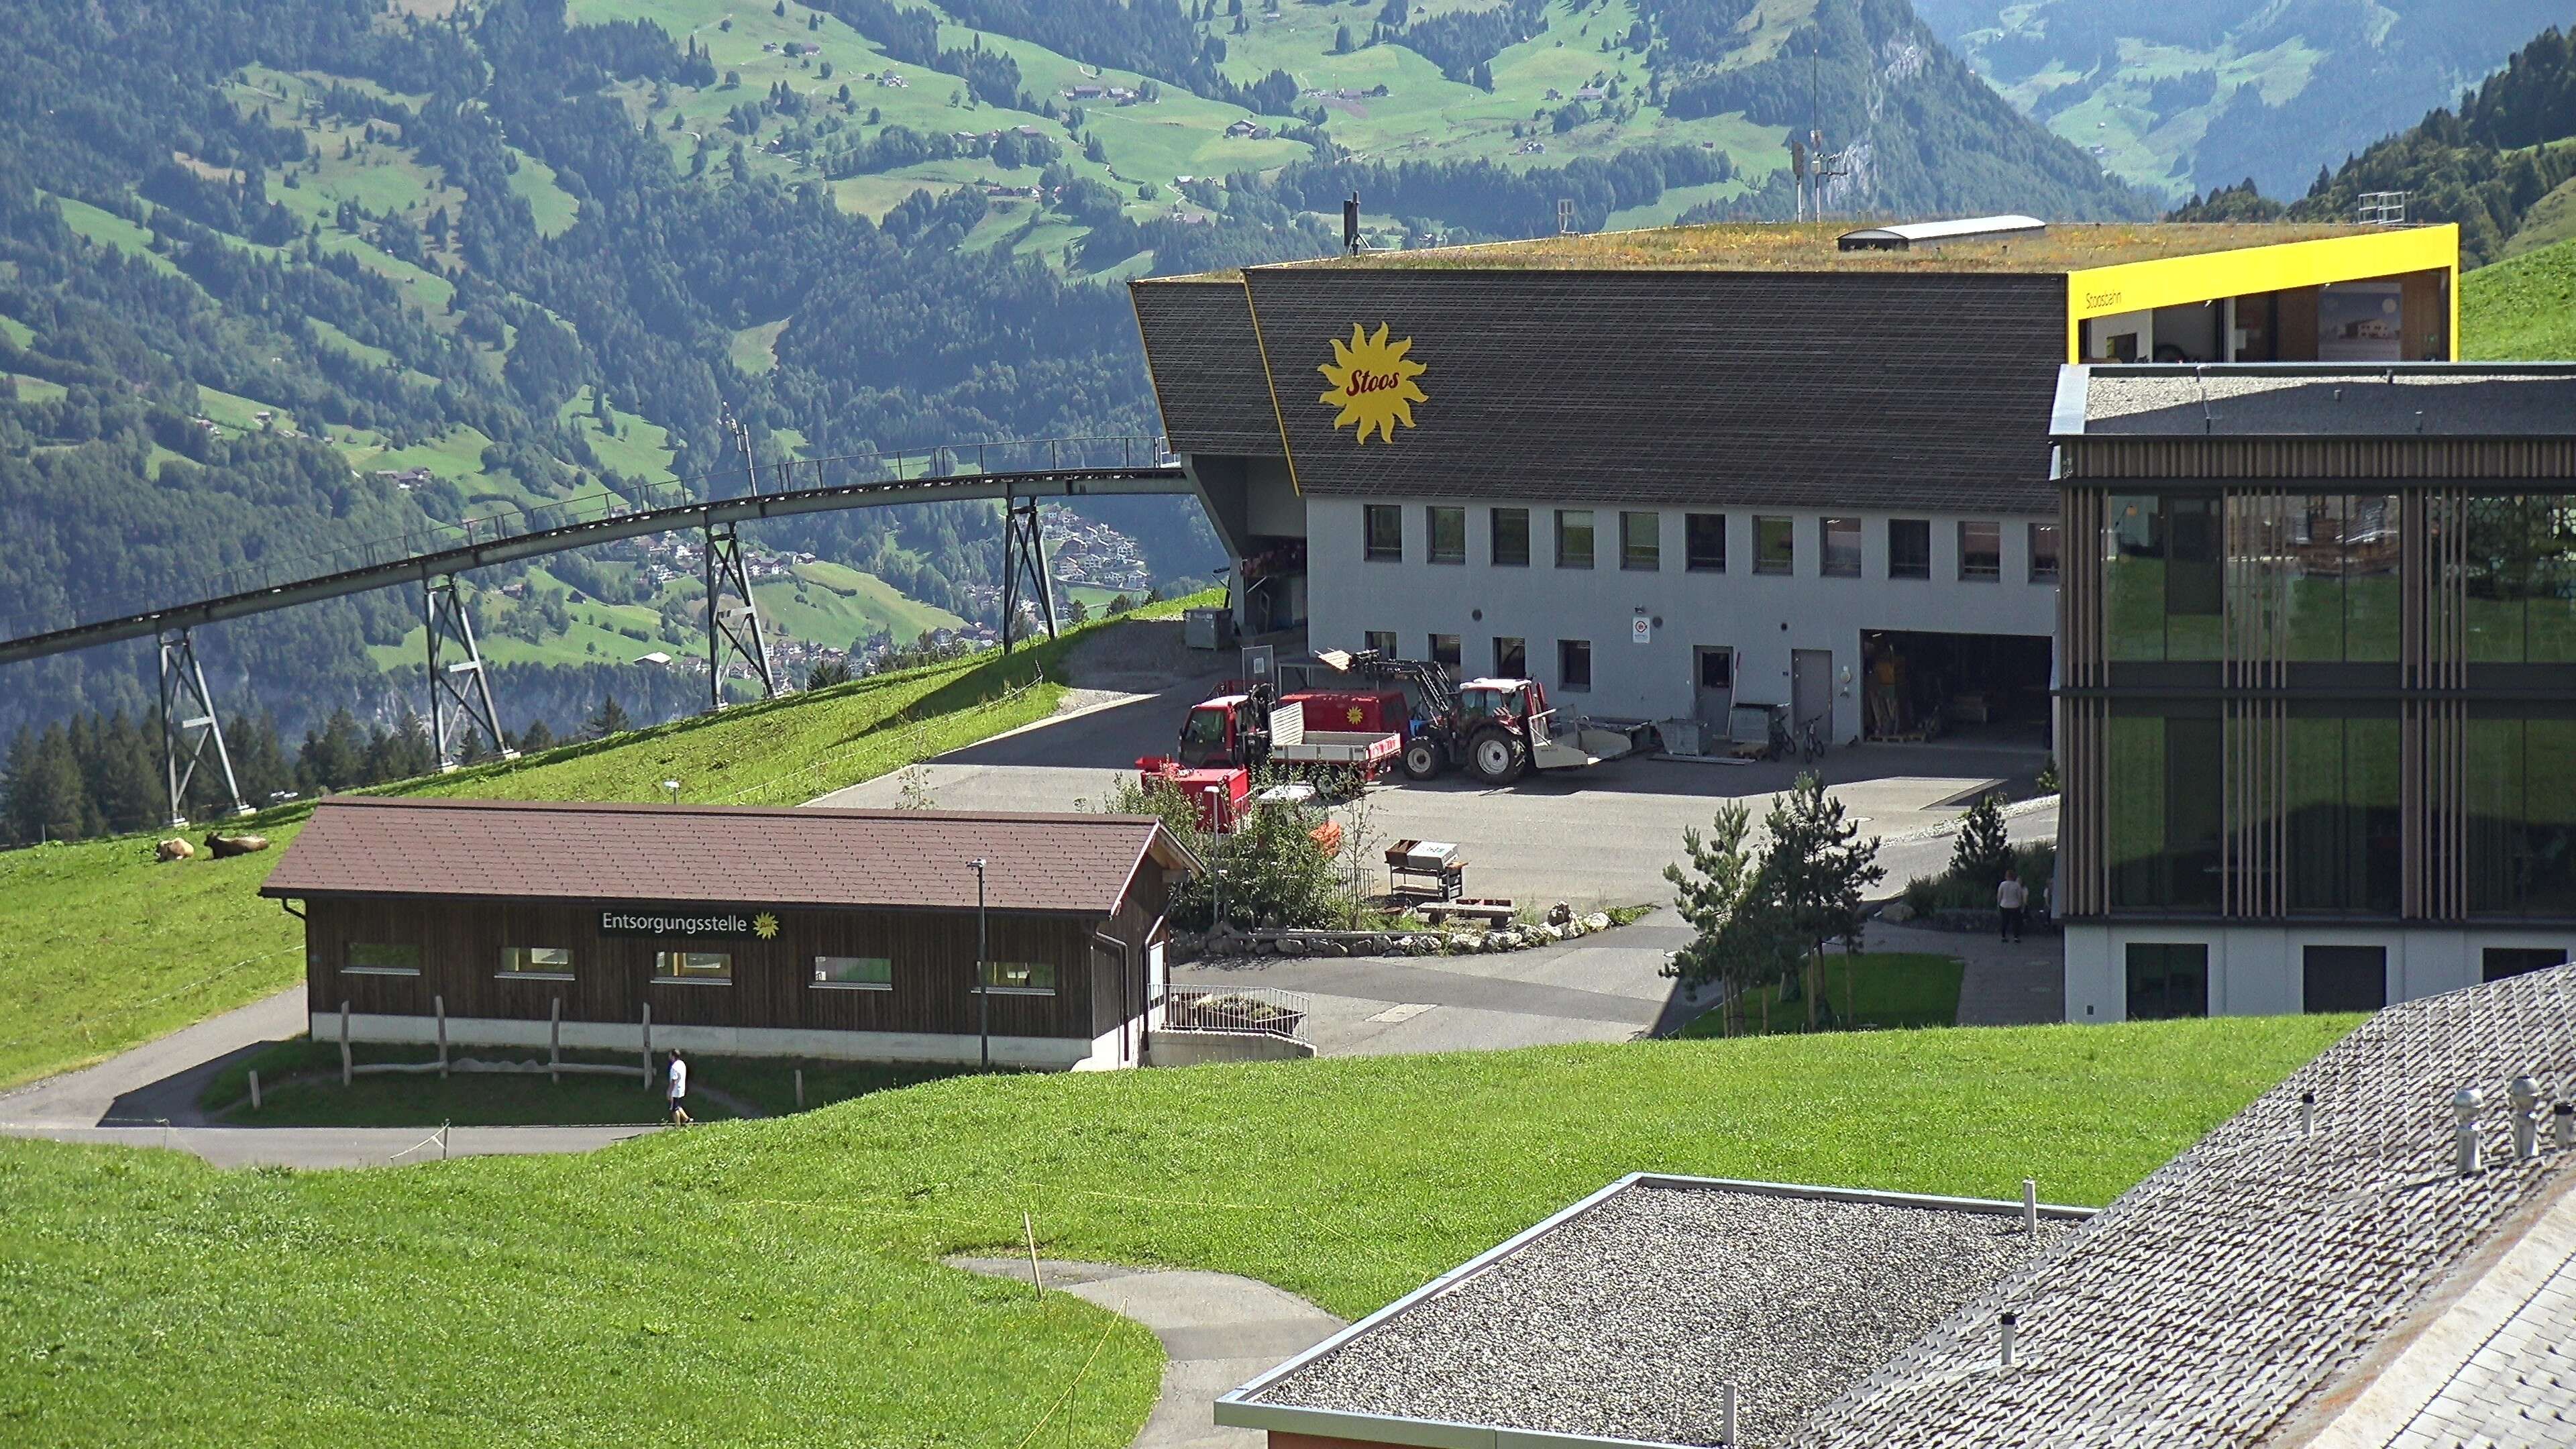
[[678, 1090], [2012, 902]]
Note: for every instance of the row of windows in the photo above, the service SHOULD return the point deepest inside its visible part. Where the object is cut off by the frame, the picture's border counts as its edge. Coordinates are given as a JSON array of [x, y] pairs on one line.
[[1641, 546], [1511, 656], [2168, 979], [861, 973]]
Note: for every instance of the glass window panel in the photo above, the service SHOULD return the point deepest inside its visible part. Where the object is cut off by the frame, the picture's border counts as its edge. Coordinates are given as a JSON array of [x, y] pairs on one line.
[[862, 971], [1574, 665], [1641, 541], [1032, 977], [2373, 597], [2344, 822], [2163, 819], [1445, 652], [2550, 628], [2343, 978], [693, 965], [1842, 549], [2521, 817], [1705, 536], [551, 959], [2498, 962], [383, 956], [1511, 658], [1981, 551], [2167, 980], [1511, 537], [1385, 526], [1909, 548], [1775, 546], [2312, 538], [1381, 640], [1448, 529], [2194, 594], [2133, 577], [2043, 553], [1574, 538]]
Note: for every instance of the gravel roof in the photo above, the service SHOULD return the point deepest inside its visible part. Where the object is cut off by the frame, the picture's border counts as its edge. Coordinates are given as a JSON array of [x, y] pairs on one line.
[[1625, 1321]]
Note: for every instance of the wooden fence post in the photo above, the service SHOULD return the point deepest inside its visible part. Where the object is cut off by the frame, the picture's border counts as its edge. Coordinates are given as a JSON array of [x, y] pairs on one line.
[[345, 1072], [554, 1040], [441, 1003]]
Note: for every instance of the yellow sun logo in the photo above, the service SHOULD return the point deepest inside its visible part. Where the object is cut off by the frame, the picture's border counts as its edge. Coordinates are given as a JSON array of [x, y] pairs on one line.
[[765, 926], [1372, 383]]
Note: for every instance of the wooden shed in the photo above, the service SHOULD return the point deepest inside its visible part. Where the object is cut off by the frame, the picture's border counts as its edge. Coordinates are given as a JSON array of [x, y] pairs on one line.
[[838, 934]]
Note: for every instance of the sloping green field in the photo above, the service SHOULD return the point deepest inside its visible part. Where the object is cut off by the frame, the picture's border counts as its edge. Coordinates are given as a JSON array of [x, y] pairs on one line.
[[777, 1282], [2521, 309]]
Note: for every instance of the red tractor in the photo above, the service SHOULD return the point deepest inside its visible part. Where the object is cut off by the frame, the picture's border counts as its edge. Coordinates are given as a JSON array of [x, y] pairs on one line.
[[1496, 729]]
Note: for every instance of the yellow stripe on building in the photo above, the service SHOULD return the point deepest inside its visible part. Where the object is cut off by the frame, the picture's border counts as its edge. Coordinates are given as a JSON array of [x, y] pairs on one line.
[[2173, 281]]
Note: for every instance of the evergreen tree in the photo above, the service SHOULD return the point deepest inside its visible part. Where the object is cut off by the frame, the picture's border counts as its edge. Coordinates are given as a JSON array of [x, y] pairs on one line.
[[1743, 940], [536, 737], [46, 801], [334, 758], [1818, 866], [1983, 851], [609, 719]]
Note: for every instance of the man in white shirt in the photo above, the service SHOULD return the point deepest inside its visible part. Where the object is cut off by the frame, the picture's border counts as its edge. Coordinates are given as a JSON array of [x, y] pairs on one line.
[[2012, 901], [679, 1088]]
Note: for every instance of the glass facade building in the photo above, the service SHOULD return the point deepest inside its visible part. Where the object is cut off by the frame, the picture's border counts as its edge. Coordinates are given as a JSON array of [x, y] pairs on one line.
[[2318, 691]]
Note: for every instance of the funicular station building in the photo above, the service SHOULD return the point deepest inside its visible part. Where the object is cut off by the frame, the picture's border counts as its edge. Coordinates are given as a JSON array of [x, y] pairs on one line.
[[1665, 473]]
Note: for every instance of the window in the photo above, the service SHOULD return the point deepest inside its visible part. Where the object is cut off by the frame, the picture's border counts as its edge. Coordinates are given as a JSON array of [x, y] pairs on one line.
[[1381, 640], [1717, 669], [1704, 540], [2043, 553], [1020, 978], [1574, 665], [1842, 548], [381, 959], [2343, 978], [1448, 529], [854, 973], [2503, 961], [1775, 546], [538, 961], [2314, 577], [1511, 538], [1641, 541], [1385, 533], [2520, 558], [1511, 658], [2162, 821], [1909, 548], [1981, 551], [2166, 981], [2344, 799], [1574, 538], [711, 968], [2521, 827], [1445, 652], [2161, 570]]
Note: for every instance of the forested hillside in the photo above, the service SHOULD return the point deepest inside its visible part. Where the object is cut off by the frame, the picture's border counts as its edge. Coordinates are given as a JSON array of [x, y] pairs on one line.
[[2188, 95], [2500, 164], [278, 277]]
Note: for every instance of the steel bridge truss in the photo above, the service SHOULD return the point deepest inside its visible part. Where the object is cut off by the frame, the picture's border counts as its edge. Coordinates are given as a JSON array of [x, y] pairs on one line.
[[733, 618], [1024, 560], [460, 692], [189, 726]]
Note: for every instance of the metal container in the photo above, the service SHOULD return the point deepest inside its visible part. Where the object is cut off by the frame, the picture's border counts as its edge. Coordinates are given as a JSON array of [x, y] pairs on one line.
[[1207, 628]]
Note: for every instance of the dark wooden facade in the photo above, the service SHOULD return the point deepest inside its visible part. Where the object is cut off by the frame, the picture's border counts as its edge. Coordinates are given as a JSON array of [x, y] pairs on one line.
[[1100, 967]]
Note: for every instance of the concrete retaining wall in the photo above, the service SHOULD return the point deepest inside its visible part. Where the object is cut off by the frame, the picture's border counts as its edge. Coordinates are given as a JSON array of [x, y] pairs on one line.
[[1201, 1048]]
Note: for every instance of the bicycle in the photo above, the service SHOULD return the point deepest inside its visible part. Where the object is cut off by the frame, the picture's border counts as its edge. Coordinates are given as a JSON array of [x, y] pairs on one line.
[[1811, 742]]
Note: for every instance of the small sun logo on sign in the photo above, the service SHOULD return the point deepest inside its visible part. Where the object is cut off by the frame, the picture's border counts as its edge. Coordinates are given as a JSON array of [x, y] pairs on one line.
[[765, 926], [1372, 383], [1354, 716]]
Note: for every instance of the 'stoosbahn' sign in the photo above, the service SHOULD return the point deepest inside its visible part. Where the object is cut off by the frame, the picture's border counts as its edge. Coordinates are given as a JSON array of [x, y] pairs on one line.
[[685, 922]]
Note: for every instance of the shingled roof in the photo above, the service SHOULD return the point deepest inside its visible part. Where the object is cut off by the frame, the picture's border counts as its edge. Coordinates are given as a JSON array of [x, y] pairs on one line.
[[884, 859], [2255, 1284]]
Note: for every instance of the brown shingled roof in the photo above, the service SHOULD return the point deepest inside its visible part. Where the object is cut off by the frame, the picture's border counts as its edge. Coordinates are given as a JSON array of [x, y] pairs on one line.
[[899, 859]]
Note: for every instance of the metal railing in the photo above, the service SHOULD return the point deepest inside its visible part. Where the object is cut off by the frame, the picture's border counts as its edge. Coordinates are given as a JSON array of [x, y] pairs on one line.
[[1267, 1010], [493, 520]]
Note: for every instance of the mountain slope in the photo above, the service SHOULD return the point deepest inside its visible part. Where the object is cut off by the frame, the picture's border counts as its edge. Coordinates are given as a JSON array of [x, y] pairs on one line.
[[2186, 95]]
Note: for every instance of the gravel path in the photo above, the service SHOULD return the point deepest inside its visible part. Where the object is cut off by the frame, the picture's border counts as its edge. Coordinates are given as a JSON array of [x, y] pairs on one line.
[[1627, 1321]]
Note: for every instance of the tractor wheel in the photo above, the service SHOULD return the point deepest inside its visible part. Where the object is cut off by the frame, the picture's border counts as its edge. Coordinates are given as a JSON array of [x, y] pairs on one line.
[[1497, 756], [1421, 759]]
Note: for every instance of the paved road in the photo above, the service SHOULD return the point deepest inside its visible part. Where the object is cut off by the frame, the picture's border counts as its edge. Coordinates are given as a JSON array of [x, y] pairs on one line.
[[1218, 1332], [148, 1098]]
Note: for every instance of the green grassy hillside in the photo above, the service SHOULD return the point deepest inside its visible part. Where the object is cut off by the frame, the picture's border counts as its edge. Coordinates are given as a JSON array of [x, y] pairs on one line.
[[110, 949], [777, 1282], [2521, 309]]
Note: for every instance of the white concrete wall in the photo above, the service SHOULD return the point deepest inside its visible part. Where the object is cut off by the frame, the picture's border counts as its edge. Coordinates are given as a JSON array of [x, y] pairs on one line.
[[1042, 1053], [1763, 617], [2257, 970], [1204, 1048]]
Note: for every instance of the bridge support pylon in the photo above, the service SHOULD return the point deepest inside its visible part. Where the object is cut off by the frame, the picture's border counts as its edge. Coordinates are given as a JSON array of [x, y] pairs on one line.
[[188, 725], [734, 626], [1024, 557], [460, 693]]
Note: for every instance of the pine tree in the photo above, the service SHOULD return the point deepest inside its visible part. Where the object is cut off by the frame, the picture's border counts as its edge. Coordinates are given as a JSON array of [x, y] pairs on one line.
[[1743, 940], [609, 719], [1818, 866], [46, 801], [1983, 851]]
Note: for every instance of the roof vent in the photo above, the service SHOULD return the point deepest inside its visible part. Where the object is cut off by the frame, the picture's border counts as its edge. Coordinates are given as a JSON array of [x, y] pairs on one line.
[[1907, 235], [2526, 1117], [2464, 1137]]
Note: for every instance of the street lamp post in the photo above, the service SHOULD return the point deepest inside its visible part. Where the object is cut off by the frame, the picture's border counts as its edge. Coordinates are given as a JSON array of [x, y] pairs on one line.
[[983, 975], [674, 787]]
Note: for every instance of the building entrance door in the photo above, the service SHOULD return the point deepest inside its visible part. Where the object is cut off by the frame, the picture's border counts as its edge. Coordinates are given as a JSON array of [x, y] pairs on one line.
[[1713, 680], [1811, 688]]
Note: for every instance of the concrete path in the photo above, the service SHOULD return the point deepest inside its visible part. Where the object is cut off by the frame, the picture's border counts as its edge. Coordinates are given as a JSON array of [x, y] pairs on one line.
[[1218, 1331], [147, 1097]]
